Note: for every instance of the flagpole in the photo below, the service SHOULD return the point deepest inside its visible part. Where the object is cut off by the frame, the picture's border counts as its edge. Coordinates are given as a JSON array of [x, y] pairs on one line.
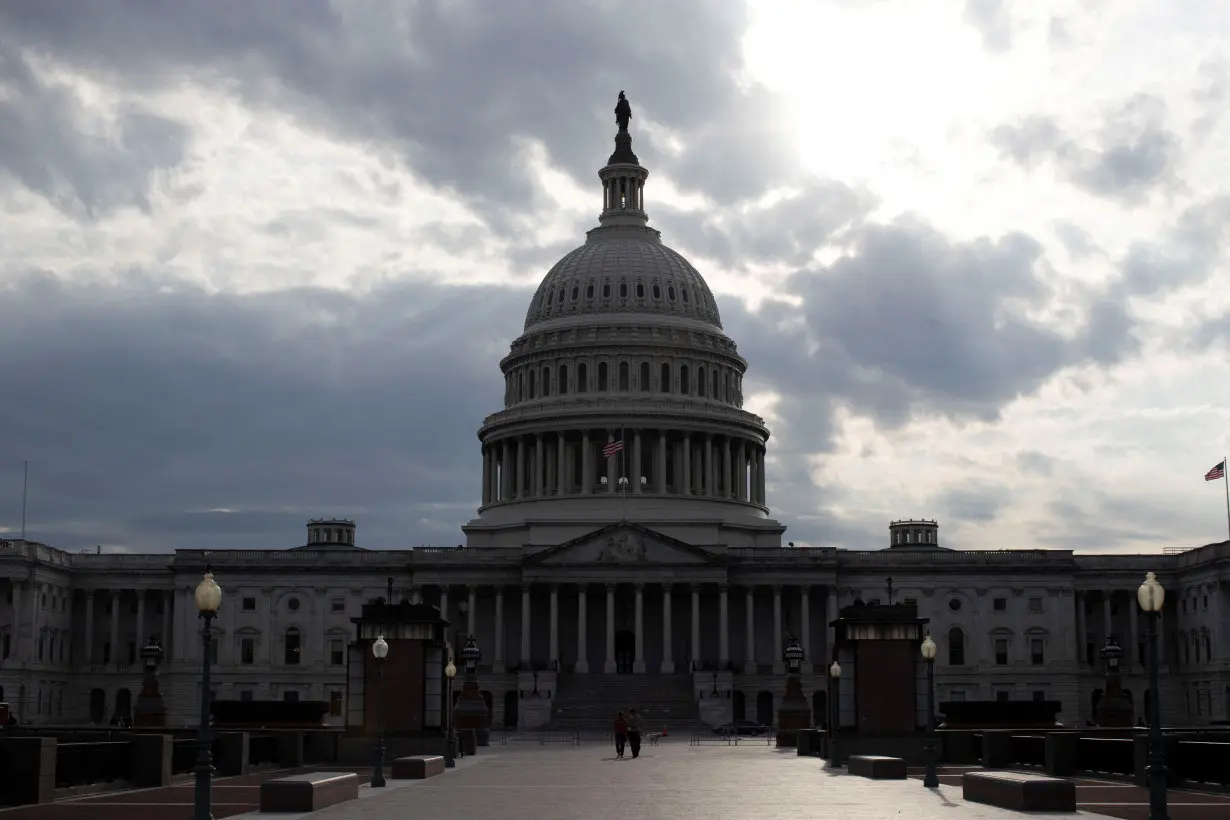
[[623, 461], [25, 485], [1226, 481]]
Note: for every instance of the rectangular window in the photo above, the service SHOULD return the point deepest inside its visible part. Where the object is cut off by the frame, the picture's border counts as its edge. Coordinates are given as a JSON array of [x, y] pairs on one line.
[[290, 697], [338, 605], [1039, 696], [245, 695], [1001, 696], [291, 655], [1035, 605], [247, 651], [957, 696], [335, 704], [999, 604], [336, 652], [106, 652], [6, 645], [1001, 651], [132, 652], [249, 604], [1036, 651]]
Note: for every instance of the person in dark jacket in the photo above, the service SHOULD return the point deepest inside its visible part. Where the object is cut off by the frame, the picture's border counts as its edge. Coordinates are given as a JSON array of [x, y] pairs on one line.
[[621, 734], [634, 732]]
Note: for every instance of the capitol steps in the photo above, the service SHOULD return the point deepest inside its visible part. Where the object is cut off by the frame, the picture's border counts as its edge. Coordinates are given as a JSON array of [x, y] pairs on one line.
[[593, 700]]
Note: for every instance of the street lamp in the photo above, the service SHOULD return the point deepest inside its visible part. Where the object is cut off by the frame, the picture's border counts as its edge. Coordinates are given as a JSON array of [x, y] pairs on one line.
[[835, 710], [930, 779], [208, 598], [794, 657], [380, 650], [1151, 595], [450, 740]]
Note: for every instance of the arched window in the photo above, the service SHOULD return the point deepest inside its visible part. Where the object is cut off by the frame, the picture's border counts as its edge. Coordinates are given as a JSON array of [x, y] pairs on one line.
[[623, 290], [589, 291], [561, 381], [582, 378], [602, 380], [685, 385], [606, 290], [956, 647], [623, 377], [292, 652], [700, 382], [665, 377], [644, 377], [546, 382], [713, 383], [533, 386]]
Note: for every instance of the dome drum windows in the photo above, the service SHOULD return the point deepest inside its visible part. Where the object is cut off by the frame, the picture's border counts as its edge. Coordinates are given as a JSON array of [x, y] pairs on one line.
[[602, 377], [623, 290], [623, 377], [664, 383], [685, 384], [561, 382], [640, 290], [582, 378], [644, 377], [657, 291]]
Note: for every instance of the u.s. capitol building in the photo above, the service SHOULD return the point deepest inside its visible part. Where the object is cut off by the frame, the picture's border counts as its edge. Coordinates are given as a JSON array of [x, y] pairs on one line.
[[623, 551]]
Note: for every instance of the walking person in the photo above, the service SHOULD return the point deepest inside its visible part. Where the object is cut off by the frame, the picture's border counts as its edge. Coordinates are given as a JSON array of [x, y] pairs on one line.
[[621, 734], [634, 732]]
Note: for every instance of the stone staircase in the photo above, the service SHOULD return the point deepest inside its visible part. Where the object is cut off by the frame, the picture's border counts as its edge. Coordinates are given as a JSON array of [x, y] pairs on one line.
[[587, 701]]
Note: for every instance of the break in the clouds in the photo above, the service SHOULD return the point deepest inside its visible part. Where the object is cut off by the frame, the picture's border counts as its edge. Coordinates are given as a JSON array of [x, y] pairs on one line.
[[260, 261]]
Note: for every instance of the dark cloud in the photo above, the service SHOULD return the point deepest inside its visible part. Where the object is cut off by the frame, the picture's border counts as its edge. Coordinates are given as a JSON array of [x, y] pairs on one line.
[[85, 168], [417, 77], [1188, 254], [993, 20], [1132, 154], [153, 403], [972, 505]]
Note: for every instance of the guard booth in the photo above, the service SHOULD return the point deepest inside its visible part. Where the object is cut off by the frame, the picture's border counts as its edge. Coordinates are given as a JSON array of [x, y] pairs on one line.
[[408, 699], [882, 699]]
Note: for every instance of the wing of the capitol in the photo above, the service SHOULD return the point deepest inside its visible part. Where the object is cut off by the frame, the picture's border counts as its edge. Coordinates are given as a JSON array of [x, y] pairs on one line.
[[623, 553]]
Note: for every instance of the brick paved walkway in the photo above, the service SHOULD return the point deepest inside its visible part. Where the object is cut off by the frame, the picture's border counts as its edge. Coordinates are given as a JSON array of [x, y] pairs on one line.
[[1118, 799]]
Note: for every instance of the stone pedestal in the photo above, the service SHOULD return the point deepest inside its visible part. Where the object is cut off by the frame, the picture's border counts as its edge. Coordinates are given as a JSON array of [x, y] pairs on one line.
[[470, 714], [793, 714], [150, 710]]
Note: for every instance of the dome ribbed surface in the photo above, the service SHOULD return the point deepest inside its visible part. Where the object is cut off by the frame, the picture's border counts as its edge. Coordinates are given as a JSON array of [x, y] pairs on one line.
[[622, 274]]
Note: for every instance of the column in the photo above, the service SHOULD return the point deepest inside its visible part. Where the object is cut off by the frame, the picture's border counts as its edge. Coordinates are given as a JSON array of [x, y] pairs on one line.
[[612, 463], [553, 639], [471, 609], [668, 664], [1133, 649], [805, 627], [115, 628], [540, 456], [36, 590], [707, 466], [779, 664], [609, 666], [505, 471], [753, 480], [726, 484], [141, 636], [168, 601], [520, 471], [1106, 621], [89, 622], [635, 476], [830, 614], [525, 624], [687, 463], [582, 666], [444, 607], [499, 629], [749, 661], [561, 465], [486, 475], [587, 468], [638, 665], [741, 472], [661, 462], [723, 626], [1081, 628], [695, 623], [760, 478]]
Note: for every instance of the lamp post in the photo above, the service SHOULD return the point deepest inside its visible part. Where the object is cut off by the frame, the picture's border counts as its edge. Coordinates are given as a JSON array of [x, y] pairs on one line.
[[380, 650], [208, 598], [835, 709], [450, 739], [1151, 595], [930, 779]]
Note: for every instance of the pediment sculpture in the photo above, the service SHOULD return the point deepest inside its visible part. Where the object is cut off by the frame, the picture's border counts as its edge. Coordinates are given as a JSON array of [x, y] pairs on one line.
[[622, 548]]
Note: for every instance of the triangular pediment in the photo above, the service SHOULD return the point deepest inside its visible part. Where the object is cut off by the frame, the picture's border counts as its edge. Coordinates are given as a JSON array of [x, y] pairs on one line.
[[624, 545]]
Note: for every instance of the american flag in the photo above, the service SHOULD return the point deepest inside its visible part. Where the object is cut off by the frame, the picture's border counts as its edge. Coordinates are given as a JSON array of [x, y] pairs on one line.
[[613, 448], [1217, 472]]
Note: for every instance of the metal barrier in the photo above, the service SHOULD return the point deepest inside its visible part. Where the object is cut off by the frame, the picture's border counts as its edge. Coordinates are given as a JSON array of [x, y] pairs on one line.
[[708, 737]]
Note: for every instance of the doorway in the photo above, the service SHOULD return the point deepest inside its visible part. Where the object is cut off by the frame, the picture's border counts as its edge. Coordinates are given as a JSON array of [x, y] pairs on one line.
[[123, 704], [98, 706], [625, 651], [764, 708]]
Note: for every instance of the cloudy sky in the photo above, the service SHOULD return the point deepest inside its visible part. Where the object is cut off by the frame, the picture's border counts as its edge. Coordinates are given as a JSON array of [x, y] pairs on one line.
[[259, 260]]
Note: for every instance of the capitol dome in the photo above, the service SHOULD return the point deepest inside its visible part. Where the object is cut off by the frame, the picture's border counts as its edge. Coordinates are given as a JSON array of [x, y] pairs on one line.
[[623, 270], [623, 395]]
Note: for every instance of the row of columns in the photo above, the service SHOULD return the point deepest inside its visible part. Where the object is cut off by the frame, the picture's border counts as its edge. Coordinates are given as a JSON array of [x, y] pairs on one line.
[[680, 461], [27, 650], [668, 665], [1131, 647]]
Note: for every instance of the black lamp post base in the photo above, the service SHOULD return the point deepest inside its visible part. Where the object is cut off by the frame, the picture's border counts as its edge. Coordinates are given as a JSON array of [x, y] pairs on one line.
[[450, 751]]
